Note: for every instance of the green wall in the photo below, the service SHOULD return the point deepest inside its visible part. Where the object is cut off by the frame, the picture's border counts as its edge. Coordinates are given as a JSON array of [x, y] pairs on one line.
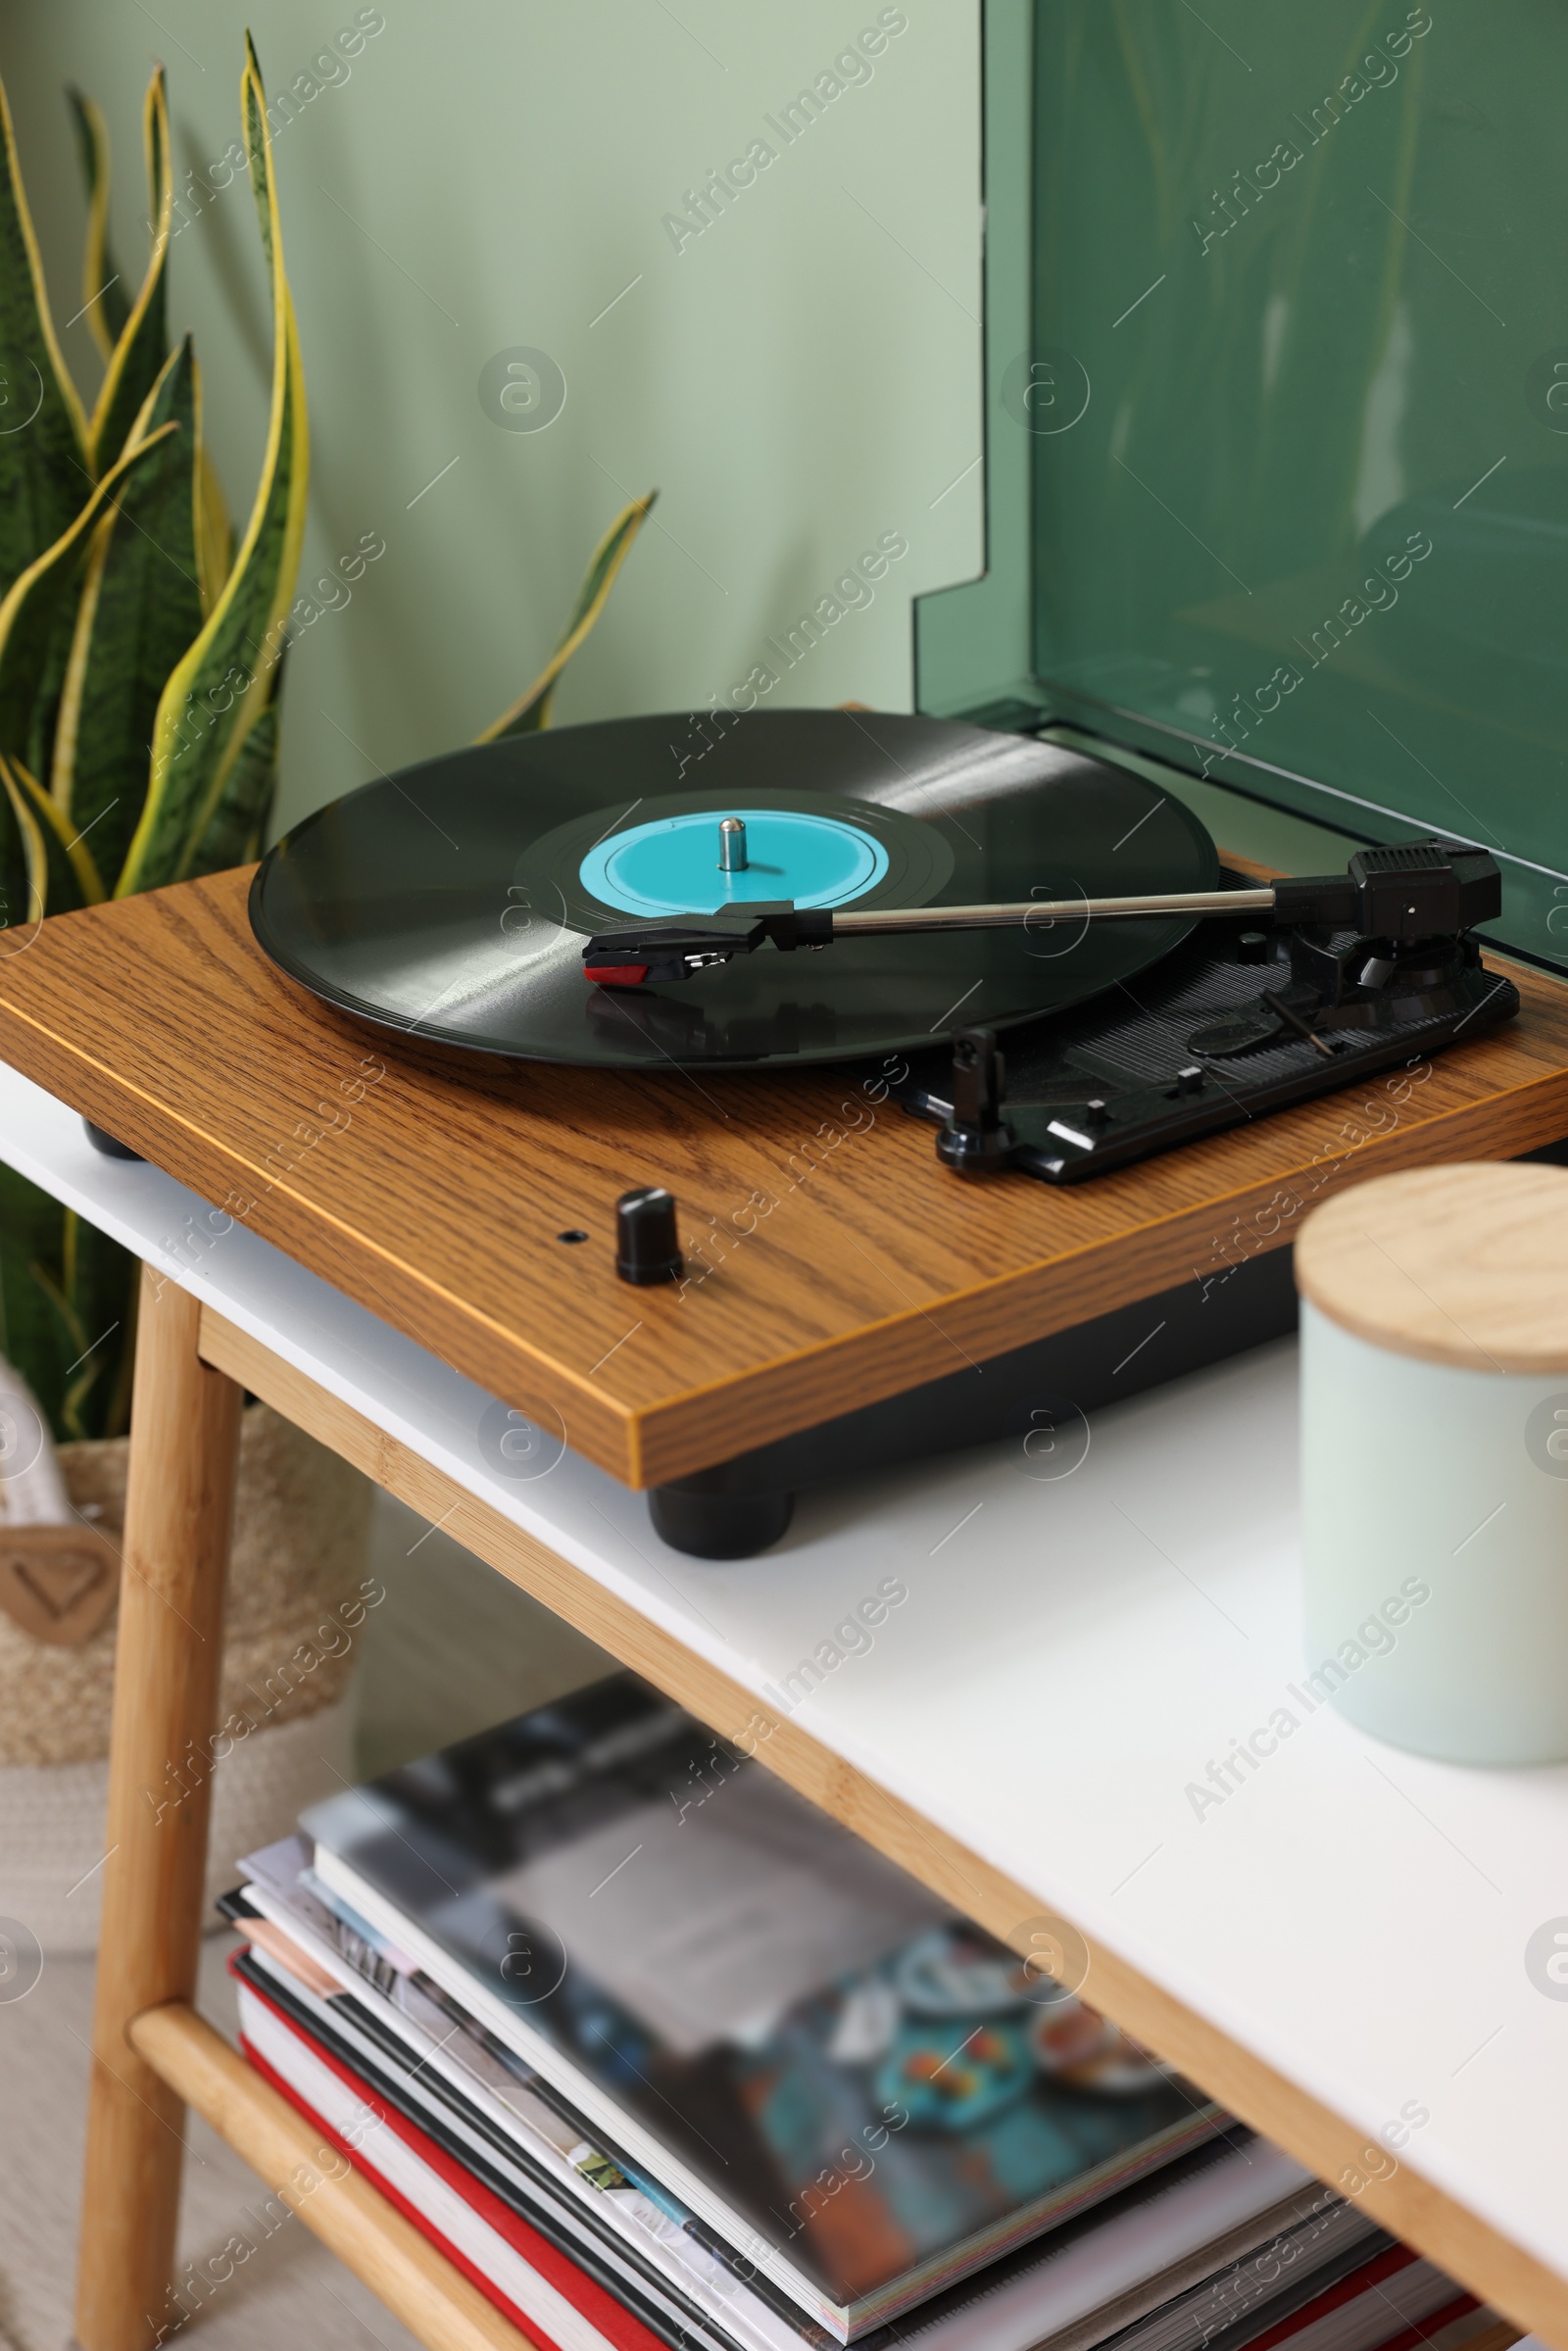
[[800, 379]]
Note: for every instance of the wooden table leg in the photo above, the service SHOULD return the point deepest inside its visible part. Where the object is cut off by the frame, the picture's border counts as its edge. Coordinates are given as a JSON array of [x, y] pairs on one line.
[[183, 1446]]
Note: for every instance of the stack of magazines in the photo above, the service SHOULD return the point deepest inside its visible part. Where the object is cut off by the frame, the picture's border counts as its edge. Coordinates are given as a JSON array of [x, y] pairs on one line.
[[659, 2055]]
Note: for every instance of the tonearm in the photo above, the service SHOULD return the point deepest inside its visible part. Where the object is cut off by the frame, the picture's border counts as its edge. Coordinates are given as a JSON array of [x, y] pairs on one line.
[[1415, 891]]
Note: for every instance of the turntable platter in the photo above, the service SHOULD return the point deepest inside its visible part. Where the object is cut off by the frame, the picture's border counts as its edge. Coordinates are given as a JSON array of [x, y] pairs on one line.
[[453, 899]]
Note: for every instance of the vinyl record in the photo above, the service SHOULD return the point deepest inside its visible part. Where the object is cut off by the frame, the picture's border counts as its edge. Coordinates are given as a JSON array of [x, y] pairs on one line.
[[453, 899]]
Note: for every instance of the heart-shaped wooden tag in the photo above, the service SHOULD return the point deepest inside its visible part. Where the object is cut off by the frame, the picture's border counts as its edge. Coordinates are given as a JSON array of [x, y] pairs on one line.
[[58, 1583]]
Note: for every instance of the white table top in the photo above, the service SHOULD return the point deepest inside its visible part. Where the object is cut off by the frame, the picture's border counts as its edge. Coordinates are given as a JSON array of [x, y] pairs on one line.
[[1071, 1656]]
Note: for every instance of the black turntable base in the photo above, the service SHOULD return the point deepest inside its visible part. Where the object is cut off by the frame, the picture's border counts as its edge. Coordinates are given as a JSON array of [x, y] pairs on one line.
[[1236, 1022], [1040, 1397]]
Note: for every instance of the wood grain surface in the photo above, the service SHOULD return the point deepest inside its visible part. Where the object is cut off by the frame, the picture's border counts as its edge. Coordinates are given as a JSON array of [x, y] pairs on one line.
[[1461, 1266], [832, 1259], [1395, 2194], [180, 1501]]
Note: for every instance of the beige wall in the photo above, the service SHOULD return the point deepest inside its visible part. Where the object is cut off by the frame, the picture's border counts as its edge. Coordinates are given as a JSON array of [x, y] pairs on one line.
[[799, 379]]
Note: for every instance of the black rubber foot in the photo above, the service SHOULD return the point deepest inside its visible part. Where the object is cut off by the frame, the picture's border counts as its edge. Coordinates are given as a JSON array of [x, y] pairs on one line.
[[718, 1526], [106, 1143]]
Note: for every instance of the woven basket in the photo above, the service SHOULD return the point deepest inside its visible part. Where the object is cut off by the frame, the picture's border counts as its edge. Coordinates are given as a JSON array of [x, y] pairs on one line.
[[298, 1594]]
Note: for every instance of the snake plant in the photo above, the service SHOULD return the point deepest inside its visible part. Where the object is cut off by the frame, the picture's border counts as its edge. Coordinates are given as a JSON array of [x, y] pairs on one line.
[[141, 655]]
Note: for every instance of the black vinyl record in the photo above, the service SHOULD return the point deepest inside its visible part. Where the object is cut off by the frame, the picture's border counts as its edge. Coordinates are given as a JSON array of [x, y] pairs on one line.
[[453, 900]]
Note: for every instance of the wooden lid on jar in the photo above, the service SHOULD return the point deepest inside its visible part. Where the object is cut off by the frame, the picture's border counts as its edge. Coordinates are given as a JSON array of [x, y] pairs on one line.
[[1463, 1265]]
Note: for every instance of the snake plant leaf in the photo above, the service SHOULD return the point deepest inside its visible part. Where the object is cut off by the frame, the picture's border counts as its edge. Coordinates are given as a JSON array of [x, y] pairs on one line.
[[71, 1343], [234, 830], [18, 914], [89, 1298], [60, 1318], [30, 1334], [219, 691], [43, 436], [34, 617], [140, 608], [105, 1271], [143, 346], [16, 896], [105, 301], [43, 875], [215, 537], [71, 871], [23, 833], [68, 1310], [98, 1287], [72, 1347], [532, 710]]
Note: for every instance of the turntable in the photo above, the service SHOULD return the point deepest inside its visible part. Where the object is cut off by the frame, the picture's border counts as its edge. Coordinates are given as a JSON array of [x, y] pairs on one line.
[[1035, 1138]]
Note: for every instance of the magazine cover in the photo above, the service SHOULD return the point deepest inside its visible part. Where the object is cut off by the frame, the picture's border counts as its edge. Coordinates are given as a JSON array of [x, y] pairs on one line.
[[882, 2094]]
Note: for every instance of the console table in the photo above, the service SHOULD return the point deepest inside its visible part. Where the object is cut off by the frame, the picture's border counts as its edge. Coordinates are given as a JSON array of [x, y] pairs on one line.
[[1332, 1944]]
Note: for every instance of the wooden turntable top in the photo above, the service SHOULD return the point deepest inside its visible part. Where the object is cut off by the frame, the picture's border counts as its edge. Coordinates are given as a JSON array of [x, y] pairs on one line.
[[831, 1260]]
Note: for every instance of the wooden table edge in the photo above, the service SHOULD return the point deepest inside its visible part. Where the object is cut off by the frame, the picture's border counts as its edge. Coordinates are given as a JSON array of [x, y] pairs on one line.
[[1482, 2259], [711, 1423], [674, 1438], [348, 2212]]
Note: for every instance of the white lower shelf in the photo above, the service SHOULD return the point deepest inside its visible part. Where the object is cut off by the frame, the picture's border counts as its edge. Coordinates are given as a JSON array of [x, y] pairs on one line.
[[1071, 1656]]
